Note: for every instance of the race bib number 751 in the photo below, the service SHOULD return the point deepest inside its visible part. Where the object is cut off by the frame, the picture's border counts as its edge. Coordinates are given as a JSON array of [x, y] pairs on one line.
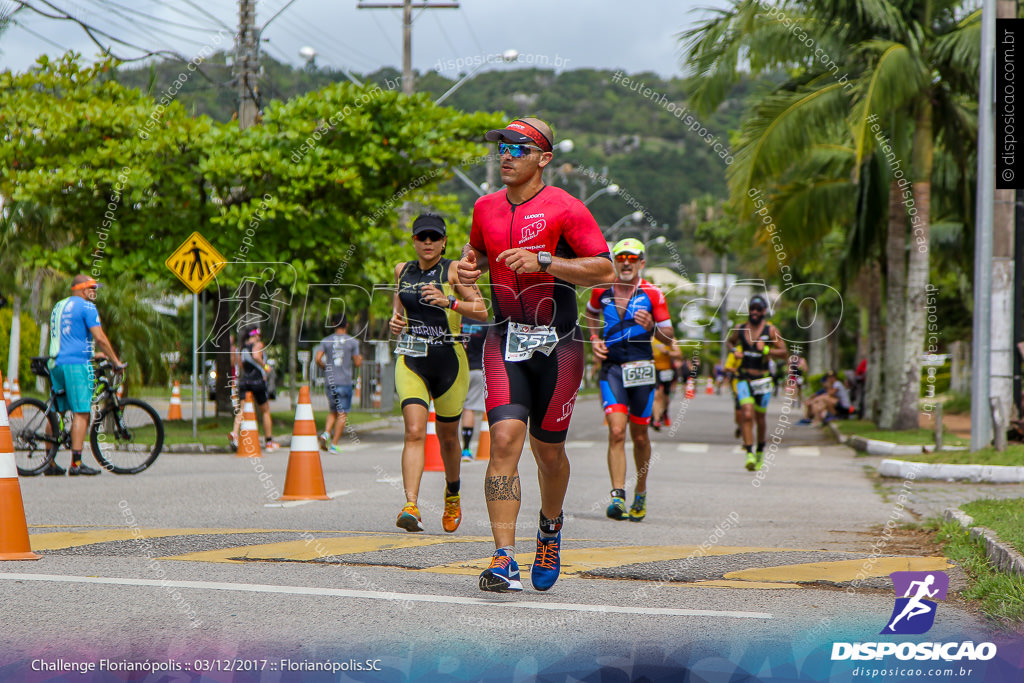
[[524, 340]]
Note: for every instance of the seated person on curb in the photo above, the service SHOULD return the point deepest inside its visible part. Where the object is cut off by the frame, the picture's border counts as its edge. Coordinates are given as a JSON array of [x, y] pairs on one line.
[[833, 401]]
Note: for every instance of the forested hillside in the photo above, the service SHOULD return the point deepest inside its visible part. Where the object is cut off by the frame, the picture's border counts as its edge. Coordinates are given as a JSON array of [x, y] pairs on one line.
[[641, 143]]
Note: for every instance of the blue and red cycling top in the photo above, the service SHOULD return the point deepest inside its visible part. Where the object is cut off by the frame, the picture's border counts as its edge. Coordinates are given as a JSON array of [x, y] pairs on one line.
[[626, 339], [553, 221]]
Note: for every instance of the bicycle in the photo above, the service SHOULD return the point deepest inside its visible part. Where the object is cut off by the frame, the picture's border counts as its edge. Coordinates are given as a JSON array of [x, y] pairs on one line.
[[40, 430]]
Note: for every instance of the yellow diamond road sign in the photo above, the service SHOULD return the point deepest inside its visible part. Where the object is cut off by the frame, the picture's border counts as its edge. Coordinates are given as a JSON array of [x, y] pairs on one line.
[[195, 262]]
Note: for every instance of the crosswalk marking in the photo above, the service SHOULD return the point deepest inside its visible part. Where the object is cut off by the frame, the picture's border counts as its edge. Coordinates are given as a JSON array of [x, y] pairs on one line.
[[69, 539], [840, 571], [318, 548], [381, 595]]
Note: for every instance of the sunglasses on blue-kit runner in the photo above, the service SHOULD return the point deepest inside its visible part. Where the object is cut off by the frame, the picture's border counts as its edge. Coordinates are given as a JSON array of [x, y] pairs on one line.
[[516, 151]]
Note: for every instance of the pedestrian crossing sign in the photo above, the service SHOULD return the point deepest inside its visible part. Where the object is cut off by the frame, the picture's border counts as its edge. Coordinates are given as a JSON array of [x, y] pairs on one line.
[[195, 262]]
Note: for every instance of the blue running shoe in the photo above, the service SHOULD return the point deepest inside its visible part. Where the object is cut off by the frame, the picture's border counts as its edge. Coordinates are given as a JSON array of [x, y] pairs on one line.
[[503, 574], [547, 564], [617, 510], [467, 456]]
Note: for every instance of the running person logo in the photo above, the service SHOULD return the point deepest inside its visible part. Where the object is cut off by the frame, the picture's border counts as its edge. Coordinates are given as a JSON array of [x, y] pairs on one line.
[[916, 593]]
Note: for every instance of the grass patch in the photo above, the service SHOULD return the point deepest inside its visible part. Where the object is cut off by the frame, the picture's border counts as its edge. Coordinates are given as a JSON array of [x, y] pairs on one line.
[[214, 430], [957, 404], [909, 437], [1012, 456], [1000, 595], [1005, 517]]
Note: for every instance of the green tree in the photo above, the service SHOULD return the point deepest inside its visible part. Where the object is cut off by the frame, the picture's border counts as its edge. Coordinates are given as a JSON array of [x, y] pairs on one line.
[[911, 67]]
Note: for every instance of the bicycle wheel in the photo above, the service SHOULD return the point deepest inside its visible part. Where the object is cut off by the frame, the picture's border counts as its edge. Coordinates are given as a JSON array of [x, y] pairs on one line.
[[33, 431], [127, 437]]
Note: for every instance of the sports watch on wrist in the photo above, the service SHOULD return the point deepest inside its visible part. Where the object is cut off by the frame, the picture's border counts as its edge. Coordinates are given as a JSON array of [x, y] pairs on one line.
[[451, 302], [544, 260]]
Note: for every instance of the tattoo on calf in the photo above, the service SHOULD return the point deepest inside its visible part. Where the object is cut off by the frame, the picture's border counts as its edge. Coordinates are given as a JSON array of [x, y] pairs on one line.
[[502, 487]]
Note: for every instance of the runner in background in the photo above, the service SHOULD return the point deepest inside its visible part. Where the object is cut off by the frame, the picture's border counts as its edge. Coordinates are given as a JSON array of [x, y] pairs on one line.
[[428, 307], [633, 310], [668, 364], [475, 334]]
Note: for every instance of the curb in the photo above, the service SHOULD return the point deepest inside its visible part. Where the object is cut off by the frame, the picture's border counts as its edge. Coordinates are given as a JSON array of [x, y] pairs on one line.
[[989, 474], [284, 441], [1003, 556]]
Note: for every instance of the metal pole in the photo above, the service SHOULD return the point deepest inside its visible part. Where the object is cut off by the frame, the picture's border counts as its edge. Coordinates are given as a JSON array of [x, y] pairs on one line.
[[981, 418], [1018, 300], [202, 358], [195, 360], [407, 83]]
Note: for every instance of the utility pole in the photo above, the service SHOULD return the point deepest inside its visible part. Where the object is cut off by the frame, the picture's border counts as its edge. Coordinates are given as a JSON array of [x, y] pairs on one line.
[[981, 418], [408, 86], [246, 64]]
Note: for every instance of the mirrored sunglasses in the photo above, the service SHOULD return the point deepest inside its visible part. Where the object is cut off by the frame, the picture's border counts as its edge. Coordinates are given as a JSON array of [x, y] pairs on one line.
[[627, 258], [516, 151]]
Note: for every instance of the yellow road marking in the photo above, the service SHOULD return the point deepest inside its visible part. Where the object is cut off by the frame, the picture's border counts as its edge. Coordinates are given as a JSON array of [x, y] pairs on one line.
[[299, 551], [746, 585], [578, 560], [841, 571], [68, 539]]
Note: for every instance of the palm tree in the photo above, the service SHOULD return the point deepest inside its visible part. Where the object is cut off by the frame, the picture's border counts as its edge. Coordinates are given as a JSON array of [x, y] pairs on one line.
[[910, 67]]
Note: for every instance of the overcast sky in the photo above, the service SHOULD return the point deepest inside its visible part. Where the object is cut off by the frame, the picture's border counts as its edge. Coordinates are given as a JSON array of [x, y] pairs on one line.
[[633, 36]]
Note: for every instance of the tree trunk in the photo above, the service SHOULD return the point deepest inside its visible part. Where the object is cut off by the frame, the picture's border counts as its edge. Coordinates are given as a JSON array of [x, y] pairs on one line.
[[960, 367], [873, 388], [14, 352], [895, 289], [917, 270], [817, 350]]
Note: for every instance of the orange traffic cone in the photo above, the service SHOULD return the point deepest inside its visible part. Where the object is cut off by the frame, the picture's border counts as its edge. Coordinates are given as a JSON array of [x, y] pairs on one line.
[[174, 411], [305, 477], [691, 390], [710, 388], [432, 461], [14, 544], [15, 396], [483, 448], [7, 393], [248, 433], [377, 397]]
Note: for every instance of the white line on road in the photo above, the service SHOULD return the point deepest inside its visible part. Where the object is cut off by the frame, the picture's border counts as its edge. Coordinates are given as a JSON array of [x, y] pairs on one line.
[[804, 450], [377, 595], [692, 448], [292, 503]]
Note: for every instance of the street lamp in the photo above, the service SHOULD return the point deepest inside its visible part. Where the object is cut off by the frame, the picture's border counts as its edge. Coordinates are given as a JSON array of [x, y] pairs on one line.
[[612, 189], [309, 54], [566, 145], [508, 56], [634, 217]]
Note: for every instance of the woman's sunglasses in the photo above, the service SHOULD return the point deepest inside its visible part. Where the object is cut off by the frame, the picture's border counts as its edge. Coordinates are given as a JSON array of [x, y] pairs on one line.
[[515, 151], [432, 236], [627, 258]]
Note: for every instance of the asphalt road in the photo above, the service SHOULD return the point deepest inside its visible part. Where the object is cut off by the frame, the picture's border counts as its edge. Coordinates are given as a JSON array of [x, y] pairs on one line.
[[193, 562]]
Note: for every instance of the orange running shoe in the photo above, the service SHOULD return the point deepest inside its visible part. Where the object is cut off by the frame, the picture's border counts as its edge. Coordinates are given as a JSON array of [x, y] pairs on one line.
[[452, 513]]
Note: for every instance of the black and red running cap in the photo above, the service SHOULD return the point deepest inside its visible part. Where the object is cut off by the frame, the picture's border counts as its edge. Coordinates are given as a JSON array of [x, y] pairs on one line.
[[520, 131]]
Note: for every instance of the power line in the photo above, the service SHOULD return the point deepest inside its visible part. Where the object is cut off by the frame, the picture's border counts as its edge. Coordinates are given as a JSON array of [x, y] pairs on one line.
[[25, 28], [157, 33], [472, 32], [203, 11]]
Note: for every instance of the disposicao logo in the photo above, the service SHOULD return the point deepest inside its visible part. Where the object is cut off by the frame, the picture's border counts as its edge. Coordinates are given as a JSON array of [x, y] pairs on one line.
[[914, 612]]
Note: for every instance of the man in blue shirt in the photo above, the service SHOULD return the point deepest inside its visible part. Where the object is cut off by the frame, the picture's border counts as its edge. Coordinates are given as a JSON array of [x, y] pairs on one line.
[[75, 331]]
